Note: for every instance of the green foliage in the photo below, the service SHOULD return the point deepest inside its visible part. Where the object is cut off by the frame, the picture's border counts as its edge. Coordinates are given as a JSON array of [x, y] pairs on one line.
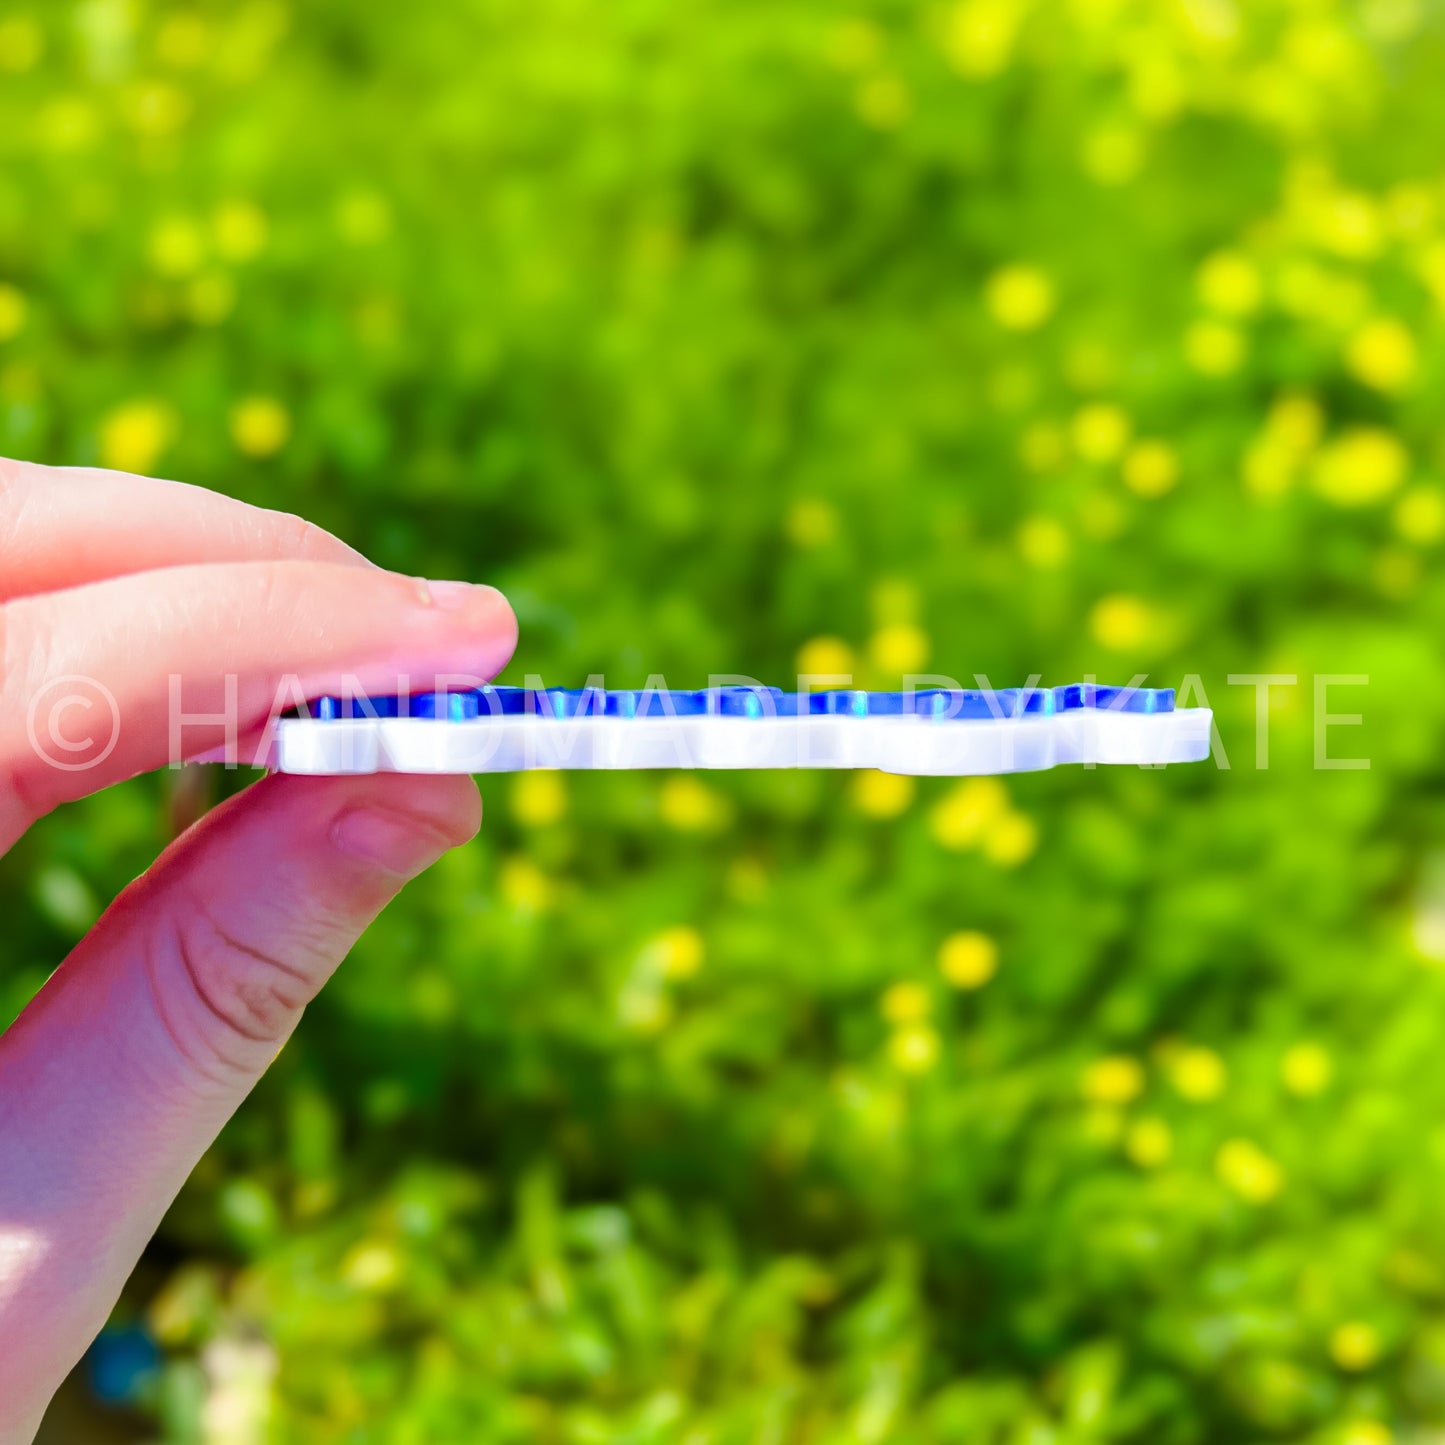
[[1001, 337]]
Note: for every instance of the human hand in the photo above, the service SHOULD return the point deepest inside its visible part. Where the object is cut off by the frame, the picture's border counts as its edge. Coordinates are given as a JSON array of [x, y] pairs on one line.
[[123, 1069]]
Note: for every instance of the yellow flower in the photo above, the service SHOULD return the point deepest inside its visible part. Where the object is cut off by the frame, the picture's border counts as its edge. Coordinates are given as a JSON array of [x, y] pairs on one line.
[[1350, 225], [373, 1265], [1121, 623], [1306, 1070], [1112, 154], [1042, 447], [811, 522], [177, 1314], [1019, 298], [914, 1050], [1229, 284], [240, 229], [1420, 515], [883, 102], [882, 795], [22, 43], [675, 952], [13, 311], [899, 648], [1100, 431], [906, 1003], [1156, 88], [177, 247], [1248, 1171], [1214, 349], [1211, 28], [1150, 468], [1296, 422], [260, 426], [826, 657], [980, 34], [1367, 1432], [1043, 542], [1354, 1345], [524, 886], [1197, 1073], [1322, 51], [1114, 1079], [538, 798], [966, 813], [1011, 841], [691, 807], [1427, 934], [1149, 1142], [968, 959], [1382, 354], [1363, 465], [133, 436]]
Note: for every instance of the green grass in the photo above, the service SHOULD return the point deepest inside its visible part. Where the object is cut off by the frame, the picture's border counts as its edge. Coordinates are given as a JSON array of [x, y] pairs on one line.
[[996, 338]]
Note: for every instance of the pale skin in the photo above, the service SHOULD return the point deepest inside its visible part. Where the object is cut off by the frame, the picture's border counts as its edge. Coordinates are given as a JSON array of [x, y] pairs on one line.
[[121, 1072]]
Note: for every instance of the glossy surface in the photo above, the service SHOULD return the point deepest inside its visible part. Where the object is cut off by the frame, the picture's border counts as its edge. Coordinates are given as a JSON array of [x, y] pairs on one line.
[[942, 704]]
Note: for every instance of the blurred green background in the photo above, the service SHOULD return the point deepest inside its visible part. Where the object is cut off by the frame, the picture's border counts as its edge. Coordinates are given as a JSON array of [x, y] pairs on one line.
[[999, 337]]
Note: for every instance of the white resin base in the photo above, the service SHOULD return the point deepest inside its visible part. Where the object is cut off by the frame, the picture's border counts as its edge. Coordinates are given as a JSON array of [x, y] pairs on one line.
[[512, 744]]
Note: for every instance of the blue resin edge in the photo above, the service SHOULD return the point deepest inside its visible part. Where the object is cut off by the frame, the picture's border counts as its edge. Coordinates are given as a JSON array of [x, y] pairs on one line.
[[942, 704]]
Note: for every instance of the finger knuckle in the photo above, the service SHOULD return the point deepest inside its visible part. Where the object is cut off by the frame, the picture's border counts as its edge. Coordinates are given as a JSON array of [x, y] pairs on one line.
[[227, 1003], [299, 538]]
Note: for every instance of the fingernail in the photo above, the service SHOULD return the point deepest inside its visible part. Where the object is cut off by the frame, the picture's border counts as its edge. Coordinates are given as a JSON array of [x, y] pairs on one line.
[[399, 842], [455, 596]]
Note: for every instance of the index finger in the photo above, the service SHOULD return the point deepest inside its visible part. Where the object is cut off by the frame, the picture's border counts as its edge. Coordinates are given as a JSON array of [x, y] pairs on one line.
[[130, 663], [65, 526]]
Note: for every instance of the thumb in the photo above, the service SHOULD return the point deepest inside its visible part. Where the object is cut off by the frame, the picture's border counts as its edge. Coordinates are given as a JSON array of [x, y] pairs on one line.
[[124, 1068]]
